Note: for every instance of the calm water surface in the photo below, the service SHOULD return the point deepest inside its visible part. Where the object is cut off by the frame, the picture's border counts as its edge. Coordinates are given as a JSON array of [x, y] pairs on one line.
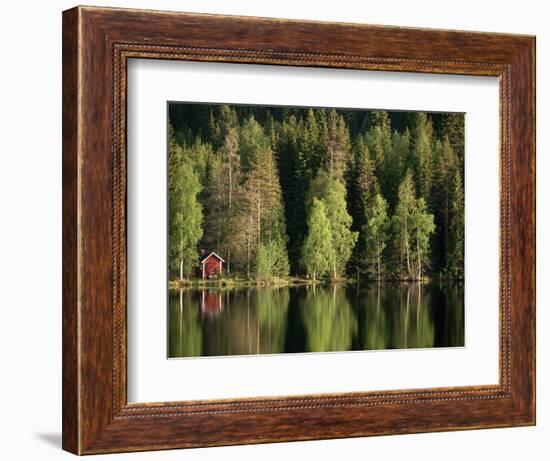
[[213, 322]]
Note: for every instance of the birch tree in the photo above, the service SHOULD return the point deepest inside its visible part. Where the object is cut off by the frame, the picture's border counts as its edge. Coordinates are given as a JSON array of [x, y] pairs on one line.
[[185, 213], [376, 232], [422, 227], [318, 253], [402, 224]]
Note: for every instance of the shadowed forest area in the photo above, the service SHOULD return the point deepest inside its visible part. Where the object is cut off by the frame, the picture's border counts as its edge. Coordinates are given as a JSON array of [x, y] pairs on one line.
[[316, 194]]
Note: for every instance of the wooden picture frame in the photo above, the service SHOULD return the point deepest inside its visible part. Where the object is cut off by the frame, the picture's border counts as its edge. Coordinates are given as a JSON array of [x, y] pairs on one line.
[[97, 43]]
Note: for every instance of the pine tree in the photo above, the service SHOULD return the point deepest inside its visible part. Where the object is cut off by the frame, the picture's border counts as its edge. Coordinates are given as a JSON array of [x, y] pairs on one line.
[[310, 144], [265, 210], [252, 138], [453, 129], [228, 193], [362, 187], [455, 251], [380, 146], [338, 146], [445, 168], [365, 184], [397, 162], [294, 178], [222, 119], [423, 162]]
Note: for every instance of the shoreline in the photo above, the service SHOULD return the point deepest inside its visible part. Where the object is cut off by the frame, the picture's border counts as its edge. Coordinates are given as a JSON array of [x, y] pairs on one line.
[[180, 284], [238, 283]]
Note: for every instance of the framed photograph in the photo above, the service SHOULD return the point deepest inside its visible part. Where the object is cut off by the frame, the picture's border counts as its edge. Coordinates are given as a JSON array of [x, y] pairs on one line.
[[282, 230]]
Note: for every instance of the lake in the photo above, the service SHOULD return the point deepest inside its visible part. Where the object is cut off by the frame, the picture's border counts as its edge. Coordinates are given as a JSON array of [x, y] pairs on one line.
[[265, 320]]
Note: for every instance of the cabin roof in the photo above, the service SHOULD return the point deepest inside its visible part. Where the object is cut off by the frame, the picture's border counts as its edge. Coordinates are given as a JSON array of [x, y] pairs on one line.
[[212, 254]]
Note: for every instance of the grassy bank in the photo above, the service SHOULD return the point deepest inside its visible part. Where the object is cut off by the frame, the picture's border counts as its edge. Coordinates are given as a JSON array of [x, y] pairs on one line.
[[226, 282]]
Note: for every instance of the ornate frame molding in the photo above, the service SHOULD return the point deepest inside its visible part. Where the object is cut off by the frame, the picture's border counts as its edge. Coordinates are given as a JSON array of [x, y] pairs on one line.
[[97, 43]]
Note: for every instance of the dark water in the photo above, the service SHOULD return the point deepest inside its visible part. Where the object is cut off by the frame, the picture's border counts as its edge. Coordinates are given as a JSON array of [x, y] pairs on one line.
[[213, 322]]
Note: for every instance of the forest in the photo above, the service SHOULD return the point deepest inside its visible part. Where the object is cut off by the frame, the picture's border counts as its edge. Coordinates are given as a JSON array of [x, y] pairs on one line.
[[315, 193]]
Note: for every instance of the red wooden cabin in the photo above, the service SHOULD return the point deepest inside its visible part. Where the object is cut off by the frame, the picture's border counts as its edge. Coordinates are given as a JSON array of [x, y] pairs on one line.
[[210, 265]]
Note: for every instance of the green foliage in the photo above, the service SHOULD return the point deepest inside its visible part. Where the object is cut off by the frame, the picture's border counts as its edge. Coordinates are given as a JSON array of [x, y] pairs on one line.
[[396, 164], [254, 172], [333, 194], [318, 253], [376, 234], [338, 146], [455, 252], [263, 218], [376, 334], [402, 226], [422, 227], [453, 129], [380, 144], [271, 260], [365, 184], [423, 162], [185, 212], [185, 338], [448, 200], [222, 120], [271, 313], [329, 320], [252, 139]]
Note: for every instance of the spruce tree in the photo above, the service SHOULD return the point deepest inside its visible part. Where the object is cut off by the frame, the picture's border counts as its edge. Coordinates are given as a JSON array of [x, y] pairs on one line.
[[380, 146], [338, 147], [453, 129], [423, 161], [455, 251]]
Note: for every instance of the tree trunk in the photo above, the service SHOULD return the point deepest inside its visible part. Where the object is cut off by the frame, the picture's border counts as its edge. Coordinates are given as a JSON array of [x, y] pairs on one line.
[[259, 219], [378, 258], [248, 257], [407, 250], [181, 268], [258, 336], [407, 314], [378, 300], [419, 258], [230, 183], [446, 230]]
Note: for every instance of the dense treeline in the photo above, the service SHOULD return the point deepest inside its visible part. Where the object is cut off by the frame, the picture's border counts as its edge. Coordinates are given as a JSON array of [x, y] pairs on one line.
[[323, 192]]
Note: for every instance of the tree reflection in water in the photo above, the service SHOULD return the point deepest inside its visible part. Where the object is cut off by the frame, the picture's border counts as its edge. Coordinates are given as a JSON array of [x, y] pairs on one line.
[[263, 320], [329, 321]]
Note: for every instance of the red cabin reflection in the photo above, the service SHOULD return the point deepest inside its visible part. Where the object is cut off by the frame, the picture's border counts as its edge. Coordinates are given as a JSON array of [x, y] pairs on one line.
[[211, 303]]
